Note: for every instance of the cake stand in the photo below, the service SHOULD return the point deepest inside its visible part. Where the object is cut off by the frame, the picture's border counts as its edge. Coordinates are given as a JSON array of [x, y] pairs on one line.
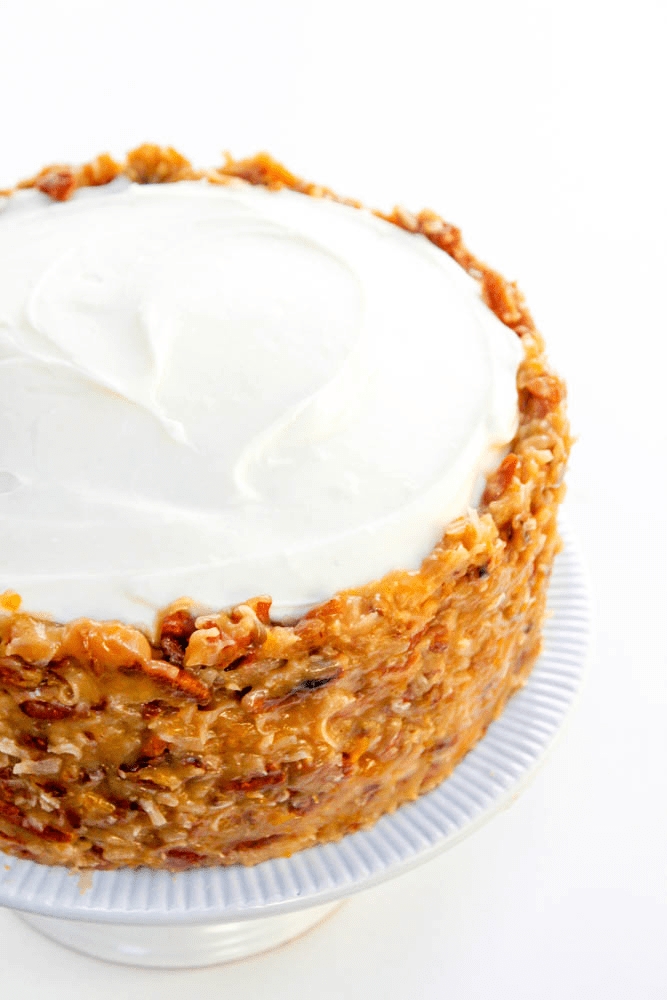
[[208, 916]]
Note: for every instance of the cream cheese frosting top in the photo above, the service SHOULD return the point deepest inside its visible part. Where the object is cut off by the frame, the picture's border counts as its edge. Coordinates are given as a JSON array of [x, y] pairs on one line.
[[217, 392]]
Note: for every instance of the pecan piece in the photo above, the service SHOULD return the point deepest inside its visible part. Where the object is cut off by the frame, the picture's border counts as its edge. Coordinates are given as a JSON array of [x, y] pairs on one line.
[[501, 297], [99, 171], [54, 788], [253, 783], [243, 661], [151, 709], [54, 834], [446, 744], [32, 742], [304, 687], [438, 640], [59, 184], [16, 673], [150, 164], [153, 746], [175, 632], [220, 640], [310, 631], [51, 711], [261, 169], [545, 393], [11, 813], [262, 607], [501, 478], [180, 858], [244, 845], [181, 680], [546, 387], [325, 612]]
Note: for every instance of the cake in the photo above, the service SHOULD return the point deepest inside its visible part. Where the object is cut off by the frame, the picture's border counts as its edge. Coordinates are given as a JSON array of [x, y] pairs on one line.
[[279, 487]]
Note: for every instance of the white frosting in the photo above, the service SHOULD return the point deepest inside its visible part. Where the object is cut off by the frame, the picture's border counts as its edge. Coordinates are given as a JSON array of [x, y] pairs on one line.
[[215, 392]]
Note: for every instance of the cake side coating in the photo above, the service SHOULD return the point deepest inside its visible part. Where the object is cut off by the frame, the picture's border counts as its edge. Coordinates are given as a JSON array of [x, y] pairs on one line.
[[227, 738]]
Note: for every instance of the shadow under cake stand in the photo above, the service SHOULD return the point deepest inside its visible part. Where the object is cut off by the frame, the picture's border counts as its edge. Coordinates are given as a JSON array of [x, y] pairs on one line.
[[207, 916]]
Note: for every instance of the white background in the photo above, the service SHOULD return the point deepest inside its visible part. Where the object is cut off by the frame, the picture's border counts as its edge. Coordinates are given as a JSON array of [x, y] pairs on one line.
[[540, 131]]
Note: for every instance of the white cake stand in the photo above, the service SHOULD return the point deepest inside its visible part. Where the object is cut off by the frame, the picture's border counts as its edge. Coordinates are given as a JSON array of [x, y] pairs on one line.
[[209, 916]]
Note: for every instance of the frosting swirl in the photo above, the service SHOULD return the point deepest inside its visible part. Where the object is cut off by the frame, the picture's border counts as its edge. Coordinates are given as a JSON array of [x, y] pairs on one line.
[[214, 392]]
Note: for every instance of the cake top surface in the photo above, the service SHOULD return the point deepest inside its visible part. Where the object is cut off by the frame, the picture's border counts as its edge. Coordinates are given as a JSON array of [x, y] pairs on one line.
[[214, 392]]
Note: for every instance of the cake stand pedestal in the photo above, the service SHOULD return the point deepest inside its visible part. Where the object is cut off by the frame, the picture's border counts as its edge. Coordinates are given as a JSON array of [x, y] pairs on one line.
[[206, 916], [180, 947]]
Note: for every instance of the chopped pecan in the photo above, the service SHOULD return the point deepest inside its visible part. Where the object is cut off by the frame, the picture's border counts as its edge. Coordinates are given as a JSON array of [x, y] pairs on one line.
[[32, 742], [11, 813], [16, 673], [175, 632], [193, 761], [545, 392], [54, 788], [546, 387], [253, 783], [153, 746], [303, 804], [446, 744], [313, 683], [243, 661], [438, 640], [369, 793], [151, 709], [304, 687], [501, 478], [209, 647], [310, 631], [181, 857], [10, 601], [355, 753], [101, 170], [59, 183], [51, 711], [181, 680], [262, 607], [325, 612], [173, 650], [54, 834], [261, 169], [73, 818], [243, 845], [443, 234], [501, 297], [139, 764], [478, 572], [150, 164], [221, 639]]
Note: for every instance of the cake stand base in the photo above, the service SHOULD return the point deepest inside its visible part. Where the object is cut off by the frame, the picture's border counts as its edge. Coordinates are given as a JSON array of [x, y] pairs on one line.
[[179, 947]]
